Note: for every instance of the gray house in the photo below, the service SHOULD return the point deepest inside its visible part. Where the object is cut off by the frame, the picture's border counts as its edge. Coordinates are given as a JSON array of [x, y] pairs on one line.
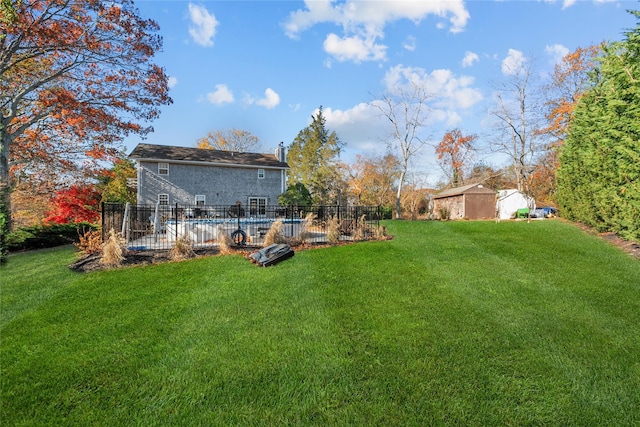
[[194, 176]]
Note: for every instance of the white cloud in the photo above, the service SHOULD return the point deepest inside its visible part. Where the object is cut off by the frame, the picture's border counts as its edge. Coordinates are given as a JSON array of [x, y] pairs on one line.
[[172, 81], [316, 12], [360, 127], [363, 128], [410, 44], [565, 3], [469, 59], [568, 3], [556, 52], [354, 48], [222, 95], [447, 90], [270, 100], [363, 22], [513, 63], [203, 25]]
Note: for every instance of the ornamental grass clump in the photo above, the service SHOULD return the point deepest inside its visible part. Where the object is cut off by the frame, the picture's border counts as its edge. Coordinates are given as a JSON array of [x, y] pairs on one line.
[[90, 243], [112, 250], [333, 230], [360, 233], [381, 232], [183, 249], [309, 221], [275, 234], [224, 244]]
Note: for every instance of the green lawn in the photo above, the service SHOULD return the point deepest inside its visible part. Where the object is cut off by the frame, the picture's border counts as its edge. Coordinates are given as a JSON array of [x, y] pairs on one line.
[[450, 323]]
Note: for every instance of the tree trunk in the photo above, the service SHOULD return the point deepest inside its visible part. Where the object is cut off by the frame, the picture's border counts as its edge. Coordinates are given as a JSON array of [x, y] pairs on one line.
[[399, 193], [5, 192]]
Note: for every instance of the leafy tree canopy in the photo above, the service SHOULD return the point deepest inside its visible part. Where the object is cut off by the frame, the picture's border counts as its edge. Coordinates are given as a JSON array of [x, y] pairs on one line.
[[76, 77], [230, 140], [114, 183], [75, 204]]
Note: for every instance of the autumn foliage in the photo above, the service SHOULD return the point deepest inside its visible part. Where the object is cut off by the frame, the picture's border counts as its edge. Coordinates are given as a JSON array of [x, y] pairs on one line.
[[76, 77], [230, 140], [75, 204], [453, 152]]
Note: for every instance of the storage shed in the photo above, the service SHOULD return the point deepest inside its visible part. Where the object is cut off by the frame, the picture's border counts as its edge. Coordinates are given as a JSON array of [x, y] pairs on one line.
[[473, 201]]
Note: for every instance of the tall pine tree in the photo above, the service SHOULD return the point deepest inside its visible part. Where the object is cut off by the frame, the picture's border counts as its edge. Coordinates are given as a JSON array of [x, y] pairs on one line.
[[313, 160]]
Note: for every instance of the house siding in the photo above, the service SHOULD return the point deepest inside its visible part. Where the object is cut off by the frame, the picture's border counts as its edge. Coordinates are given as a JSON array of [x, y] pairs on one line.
[[221, 185]]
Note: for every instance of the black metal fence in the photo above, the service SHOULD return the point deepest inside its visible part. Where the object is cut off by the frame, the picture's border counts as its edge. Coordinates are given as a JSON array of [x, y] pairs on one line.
[[160, 226]]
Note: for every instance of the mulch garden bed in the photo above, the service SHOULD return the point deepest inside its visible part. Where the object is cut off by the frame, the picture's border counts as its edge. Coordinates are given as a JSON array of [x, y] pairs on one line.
[[92, 263]]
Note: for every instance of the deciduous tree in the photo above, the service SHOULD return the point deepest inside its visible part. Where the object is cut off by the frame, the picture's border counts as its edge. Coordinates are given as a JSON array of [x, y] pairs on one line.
[[237, 140], [372, 180], [415, 198], [406, 109], [76, 77], [453, 152], [491, 177], [78, 203], [29, 204], [569, 81], [517, 121], [113, 184]]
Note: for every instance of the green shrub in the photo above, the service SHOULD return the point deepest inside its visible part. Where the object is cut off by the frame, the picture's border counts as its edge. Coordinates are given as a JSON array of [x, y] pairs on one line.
[[46, 236], [386, 212]]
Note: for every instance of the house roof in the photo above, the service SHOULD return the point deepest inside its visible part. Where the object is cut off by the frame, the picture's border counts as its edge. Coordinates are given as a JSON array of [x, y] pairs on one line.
[[457, 191], [168, 153]]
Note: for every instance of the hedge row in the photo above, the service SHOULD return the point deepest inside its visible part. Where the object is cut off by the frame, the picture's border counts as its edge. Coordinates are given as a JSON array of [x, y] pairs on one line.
[[46, 236], [599, 176]]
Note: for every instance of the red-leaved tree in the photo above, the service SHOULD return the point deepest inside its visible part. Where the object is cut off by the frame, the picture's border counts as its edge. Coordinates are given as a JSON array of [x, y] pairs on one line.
[[78, 203]]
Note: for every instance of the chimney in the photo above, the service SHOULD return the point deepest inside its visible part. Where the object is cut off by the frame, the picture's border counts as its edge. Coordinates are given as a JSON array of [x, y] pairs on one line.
[[280, 153]]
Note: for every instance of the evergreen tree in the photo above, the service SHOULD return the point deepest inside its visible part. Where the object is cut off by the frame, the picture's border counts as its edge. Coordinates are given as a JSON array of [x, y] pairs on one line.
[[296, 195], [313, 161], [599, 175]]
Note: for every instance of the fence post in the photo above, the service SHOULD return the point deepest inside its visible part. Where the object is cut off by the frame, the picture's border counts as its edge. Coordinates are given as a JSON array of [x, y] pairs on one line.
[[291, 220], [125, 223], [175, 219], [156, 222], [102, 220]]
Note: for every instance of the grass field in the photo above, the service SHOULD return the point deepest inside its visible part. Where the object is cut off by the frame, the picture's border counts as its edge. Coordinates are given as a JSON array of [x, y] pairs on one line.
[[450, 323]]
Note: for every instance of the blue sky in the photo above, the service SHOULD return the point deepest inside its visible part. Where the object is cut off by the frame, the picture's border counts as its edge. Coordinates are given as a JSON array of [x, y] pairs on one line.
[[266, 66]]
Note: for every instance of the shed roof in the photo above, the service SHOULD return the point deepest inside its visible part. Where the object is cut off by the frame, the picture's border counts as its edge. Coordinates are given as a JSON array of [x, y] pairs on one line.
[[457, 191], [168, 153]]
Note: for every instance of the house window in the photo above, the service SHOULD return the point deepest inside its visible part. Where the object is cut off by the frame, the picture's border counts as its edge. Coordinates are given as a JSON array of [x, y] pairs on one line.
[[260, 173], [200, 199], [257, 206], [163, 168], [163, 199]]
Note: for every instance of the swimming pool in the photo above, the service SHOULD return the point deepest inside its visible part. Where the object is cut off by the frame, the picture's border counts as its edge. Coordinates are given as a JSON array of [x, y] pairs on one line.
[[203, 230]]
